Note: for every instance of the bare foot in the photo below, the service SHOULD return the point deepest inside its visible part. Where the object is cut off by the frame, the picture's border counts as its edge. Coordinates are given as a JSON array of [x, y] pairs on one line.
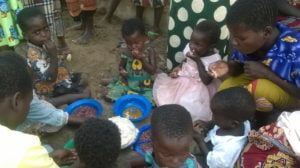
[[85, 38]]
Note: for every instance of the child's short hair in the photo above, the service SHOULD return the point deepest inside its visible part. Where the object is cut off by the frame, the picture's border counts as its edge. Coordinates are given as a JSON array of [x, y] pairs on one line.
[[255, 14], [14, 75], [235, 103], [98, 143], [210, 29], [131, 26], [173, 121], [25, 16]]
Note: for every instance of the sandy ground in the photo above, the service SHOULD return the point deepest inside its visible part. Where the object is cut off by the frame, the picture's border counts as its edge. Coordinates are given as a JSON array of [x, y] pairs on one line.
[[99, 59]]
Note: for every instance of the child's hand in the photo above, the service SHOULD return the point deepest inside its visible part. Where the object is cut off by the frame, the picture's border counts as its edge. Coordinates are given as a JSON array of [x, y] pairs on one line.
[[137, 54], [64, 157], [123, 72], [218, 69], [50, 47], [174, 73], [200, 127], [192, 56]]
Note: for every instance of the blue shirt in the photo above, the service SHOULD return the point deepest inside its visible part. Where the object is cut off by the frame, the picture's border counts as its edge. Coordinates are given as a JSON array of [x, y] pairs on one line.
[[283, 58]]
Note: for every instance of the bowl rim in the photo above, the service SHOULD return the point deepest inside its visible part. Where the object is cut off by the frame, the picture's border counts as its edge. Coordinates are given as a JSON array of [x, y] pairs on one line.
[[136, 144], [87, 102], [143, 99]]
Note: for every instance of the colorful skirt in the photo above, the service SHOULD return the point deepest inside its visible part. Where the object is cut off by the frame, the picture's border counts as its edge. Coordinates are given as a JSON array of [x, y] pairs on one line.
[[75, 7], [10, 33]]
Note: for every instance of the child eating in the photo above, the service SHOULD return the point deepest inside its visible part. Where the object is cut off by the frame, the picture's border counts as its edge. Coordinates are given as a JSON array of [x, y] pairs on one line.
[[266, 56], [98, 144], [190, 84], [137, 63], [232, 109], [19, 149], [172, 135], [51, 79]]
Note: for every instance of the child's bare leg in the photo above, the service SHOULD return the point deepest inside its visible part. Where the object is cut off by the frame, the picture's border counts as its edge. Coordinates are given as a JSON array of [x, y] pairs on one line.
[[89, 31], [139, 12], [69, 98], [158, 12], [112, 8]]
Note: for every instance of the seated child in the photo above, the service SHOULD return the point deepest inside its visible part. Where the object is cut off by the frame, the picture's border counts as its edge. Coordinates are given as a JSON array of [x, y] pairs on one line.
[[51, 78], [98, 144], [137, 63], [232, 109], [266, 56], [190, 84], [172, 136], [20, 150]]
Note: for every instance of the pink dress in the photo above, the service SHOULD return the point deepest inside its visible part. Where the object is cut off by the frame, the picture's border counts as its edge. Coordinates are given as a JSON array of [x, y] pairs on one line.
[[187, 90]]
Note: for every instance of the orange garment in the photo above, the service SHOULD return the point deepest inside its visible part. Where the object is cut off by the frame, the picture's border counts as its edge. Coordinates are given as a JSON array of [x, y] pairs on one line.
[[75, 7]]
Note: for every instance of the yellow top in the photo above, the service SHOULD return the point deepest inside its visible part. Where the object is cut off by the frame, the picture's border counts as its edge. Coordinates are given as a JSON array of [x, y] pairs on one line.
[[19, 150]]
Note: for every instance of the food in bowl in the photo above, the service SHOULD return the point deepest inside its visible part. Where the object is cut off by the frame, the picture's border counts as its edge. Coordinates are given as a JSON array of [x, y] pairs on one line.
[[132, 113], [145, 141], [84, 111]]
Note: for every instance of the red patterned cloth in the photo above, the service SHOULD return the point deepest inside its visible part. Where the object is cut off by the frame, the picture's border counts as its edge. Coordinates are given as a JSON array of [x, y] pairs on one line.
[[262, 153]]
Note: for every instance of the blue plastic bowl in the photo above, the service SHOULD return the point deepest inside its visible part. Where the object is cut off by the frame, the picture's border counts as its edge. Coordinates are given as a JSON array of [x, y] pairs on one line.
[[136, 101], [137, 143], [85, 102]]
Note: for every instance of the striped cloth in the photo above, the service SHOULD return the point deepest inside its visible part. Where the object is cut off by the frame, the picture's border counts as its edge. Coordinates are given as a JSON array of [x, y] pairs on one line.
[[53, 13]]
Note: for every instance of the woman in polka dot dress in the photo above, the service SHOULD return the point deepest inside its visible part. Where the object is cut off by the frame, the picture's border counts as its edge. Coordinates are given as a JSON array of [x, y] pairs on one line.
[[184, 15], [191, 84]]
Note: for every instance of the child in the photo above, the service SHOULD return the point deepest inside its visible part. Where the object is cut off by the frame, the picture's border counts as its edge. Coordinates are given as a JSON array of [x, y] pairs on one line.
[[232, 109], [98, 144], [266, 56], [172, 135], [138, 63], [190, 84], [19, 149], [51, 78], [158, 6]]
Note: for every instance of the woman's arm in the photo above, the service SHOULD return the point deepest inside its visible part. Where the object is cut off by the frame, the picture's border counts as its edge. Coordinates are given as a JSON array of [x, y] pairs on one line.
[[286, 9]]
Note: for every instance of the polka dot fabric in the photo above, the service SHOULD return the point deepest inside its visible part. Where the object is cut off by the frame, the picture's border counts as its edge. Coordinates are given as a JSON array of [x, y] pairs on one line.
[[185, 15]]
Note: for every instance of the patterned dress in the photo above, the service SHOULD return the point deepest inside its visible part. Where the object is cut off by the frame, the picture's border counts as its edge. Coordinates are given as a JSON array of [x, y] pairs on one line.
[[138, 81], [10, 33], [185, 15]]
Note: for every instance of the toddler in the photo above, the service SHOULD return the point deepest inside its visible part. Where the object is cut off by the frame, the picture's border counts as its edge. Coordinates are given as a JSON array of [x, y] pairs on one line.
[[172, 136], [232, 109], [191, 84], [98, 144], [138, 63], [51, 79]]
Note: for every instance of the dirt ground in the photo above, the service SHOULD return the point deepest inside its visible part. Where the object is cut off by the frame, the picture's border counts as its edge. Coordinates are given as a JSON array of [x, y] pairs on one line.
[[99, 59]]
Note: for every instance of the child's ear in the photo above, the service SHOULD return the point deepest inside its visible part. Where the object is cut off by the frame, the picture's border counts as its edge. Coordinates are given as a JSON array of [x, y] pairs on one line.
[[16, 101], [268, 31]]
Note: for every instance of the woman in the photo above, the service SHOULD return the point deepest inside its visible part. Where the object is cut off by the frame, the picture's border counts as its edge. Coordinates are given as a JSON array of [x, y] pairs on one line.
[[184, 16]]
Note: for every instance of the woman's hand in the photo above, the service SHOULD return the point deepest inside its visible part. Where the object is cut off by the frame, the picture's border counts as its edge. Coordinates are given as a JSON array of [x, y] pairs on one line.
[[218, 69], [257, 70]]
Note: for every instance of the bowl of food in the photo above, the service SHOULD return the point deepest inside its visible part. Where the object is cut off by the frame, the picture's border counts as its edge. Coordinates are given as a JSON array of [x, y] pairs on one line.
[[143, 142], [133, 107], [85, 108]]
